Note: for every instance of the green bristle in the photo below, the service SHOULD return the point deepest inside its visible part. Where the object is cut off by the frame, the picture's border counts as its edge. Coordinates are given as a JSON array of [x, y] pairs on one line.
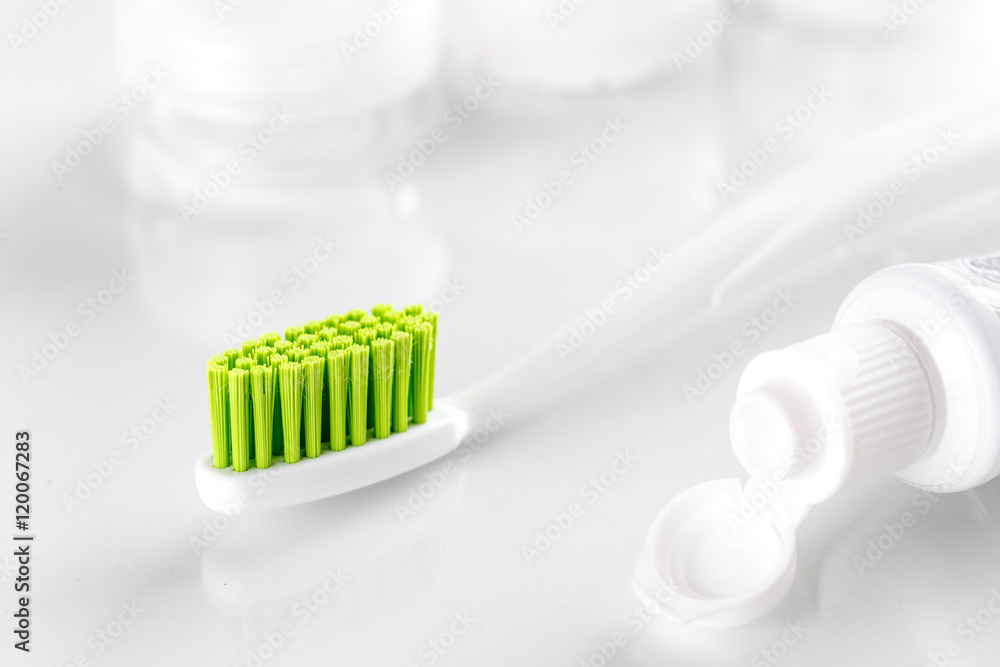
[[391, 316], [337, 373], [312, 404], [263, 384], [231, 355], [278, 439], [341, 342], [239, 418], [326, 380], [305, 340], [401, 343], [421, 370], [364, 336], [321, 349], [291, 379], [382, 367], [269, 338], [249, 346], [406, 322], [245, 363], [218, 400], [348, 327], [357, 414], [262, 354], [431, 317]]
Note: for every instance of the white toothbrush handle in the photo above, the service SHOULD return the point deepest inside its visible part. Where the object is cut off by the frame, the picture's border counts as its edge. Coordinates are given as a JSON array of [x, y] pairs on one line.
[[797, 217]]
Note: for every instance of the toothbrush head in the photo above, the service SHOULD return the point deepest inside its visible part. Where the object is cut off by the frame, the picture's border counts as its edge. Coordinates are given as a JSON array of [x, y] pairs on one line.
[[332, 392], [332, 473]]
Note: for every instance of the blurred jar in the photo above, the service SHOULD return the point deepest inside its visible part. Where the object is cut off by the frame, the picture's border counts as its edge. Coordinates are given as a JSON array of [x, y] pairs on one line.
[[574, 45], [258, 155], [811, 74]]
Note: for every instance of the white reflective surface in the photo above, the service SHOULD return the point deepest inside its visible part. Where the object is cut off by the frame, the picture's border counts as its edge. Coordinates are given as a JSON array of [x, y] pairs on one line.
[[450, 580]]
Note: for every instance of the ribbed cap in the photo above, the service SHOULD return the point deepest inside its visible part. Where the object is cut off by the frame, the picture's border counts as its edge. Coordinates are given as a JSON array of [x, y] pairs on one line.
[[835, 409], [889, 405]]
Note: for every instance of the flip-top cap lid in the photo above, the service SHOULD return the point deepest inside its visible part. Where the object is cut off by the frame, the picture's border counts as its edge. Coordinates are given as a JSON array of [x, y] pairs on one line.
[[717, 556]]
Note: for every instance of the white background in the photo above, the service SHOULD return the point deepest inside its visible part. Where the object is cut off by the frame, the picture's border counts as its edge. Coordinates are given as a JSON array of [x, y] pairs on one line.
[[461, 553]]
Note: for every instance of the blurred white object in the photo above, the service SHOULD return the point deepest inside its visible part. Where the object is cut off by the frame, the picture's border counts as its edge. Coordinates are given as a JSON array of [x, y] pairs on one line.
[[261, 149], [878, 61], [327, 59], [574, 45], [908, 382]]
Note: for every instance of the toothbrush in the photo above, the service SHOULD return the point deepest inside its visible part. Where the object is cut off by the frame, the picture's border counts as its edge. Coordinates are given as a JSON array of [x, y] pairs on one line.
[[795, 218]]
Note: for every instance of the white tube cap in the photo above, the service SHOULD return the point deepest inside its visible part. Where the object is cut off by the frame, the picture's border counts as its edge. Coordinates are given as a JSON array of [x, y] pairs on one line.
[[714, 558], [844, 406], [807, 420]]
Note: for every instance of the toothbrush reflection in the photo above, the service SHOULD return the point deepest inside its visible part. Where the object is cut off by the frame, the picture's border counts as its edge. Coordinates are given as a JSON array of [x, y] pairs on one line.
[[289, 576]]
